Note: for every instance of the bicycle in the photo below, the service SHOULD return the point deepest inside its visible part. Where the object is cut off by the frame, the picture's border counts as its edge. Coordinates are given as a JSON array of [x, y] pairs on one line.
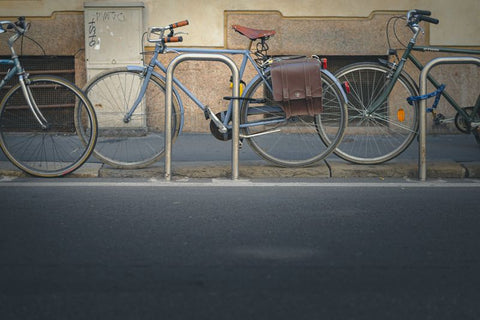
[[48, 127], [381, 123], [129, 102]]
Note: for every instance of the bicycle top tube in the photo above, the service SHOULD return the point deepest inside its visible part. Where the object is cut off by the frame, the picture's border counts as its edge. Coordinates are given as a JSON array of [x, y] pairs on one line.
[[445, 49], [203, 50]]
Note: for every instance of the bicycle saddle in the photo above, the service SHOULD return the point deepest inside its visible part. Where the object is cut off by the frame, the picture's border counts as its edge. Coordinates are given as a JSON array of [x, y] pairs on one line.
[[253, 34]]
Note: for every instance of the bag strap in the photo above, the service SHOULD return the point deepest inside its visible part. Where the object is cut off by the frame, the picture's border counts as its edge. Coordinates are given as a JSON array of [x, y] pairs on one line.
[[286, 94], [308, 89]]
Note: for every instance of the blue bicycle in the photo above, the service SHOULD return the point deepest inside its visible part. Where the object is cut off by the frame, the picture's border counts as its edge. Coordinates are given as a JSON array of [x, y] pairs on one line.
[[48, 127], [130, 106]]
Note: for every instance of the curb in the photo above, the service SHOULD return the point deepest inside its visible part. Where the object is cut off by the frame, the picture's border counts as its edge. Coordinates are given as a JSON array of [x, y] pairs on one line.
[[258, 169]]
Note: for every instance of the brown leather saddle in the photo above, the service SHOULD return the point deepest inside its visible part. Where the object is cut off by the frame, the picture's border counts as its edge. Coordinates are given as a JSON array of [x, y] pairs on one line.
[[253, 34]]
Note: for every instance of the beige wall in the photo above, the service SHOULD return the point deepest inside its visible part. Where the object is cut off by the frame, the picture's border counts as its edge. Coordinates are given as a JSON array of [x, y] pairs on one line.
[[459, 19]]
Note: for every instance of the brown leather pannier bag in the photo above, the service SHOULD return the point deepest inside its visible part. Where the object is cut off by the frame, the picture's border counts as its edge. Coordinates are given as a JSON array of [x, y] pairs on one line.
[[297, 85]]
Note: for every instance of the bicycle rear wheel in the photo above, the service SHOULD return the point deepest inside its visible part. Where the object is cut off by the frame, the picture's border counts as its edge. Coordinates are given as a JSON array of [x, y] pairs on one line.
[[297, 141], [60, 147], [384, 134], [140, 141]]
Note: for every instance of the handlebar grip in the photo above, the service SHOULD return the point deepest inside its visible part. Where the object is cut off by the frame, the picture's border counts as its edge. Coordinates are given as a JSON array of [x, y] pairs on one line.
[[428, 19], [179, 24], [173, 39], [423, 12]]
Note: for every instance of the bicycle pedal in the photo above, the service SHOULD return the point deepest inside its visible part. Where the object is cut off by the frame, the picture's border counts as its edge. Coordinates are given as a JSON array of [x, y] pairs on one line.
[[439, 119], [206, 113]]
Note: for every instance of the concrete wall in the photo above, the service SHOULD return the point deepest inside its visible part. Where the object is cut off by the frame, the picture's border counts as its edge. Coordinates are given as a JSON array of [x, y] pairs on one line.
[[341, 27]]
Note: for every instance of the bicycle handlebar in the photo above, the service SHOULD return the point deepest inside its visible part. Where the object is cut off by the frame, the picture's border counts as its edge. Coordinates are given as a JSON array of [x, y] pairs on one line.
[[20, 26], [160, 32], [416, 15]]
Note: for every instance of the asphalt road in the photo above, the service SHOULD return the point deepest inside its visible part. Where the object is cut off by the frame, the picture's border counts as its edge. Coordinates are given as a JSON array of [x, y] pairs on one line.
[[333, 249]]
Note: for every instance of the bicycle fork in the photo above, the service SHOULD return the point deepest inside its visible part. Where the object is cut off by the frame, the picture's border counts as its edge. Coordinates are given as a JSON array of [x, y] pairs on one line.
[[146, 79], [27, 93]]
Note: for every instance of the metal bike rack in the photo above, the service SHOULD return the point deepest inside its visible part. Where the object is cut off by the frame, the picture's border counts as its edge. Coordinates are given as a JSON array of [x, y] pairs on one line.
[[168, 103], [422, 153]]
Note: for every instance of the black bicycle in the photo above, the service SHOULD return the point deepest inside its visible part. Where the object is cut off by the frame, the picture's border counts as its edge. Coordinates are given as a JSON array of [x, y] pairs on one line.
[[382, 123]]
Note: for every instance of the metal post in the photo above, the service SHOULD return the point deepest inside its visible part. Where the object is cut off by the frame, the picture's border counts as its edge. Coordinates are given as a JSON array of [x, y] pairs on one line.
[[422, 150], [168, 107]]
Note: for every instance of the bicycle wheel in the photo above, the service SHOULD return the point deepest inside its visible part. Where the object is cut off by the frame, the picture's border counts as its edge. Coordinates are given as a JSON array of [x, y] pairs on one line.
[[299, 140], [140, 141], [387, 132], [60, 147]]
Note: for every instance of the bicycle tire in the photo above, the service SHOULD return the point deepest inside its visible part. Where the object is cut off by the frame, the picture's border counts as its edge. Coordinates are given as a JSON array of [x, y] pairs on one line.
[[300, 140], [141, 141], [60, 148], [387, 132]]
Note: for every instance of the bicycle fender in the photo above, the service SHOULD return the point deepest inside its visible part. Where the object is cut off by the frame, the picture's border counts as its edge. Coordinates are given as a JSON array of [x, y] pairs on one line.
[[175, 92]]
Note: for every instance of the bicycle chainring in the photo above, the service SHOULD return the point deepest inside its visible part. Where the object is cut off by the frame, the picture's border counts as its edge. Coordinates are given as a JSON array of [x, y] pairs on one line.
[[214, 129], [461, 124]]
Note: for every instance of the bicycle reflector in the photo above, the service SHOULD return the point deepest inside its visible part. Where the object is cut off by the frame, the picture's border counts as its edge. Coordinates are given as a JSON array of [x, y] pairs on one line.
[[401, 115], [324, 63], [346, 87]]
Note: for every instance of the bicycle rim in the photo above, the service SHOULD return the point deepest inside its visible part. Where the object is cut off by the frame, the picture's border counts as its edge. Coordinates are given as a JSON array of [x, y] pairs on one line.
[[298, 141], [58, 149], [140, 141], [372, 138]]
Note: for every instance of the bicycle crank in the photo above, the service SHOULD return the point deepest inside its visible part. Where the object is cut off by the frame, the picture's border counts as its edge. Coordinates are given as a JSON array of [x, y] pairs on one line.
[[462, 124], [216, 131]]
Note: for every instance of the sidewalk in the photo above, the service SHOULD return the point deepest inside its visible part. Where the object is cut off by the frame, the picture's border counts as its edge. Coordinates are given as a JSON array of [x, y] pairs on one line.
[[448, 156]]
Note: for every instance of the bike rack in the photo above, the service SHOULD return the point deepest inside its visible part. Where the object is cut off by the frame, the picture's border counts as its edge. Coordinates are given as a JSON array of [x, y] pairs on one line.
[[422, 152], [168, 103]]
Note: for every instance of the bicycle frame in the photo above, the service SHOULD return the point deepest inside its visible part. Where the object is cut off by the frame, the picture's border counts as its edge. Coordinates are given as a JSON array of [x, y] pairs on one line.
[[407, 55], [247, 58], [154, 62]]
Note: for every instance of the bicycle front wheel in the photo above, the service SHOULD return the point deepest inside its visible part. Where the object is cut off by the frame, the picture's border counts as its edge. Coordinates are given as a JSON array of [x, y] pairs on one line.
[[299, 140], [139, 141], [379, 136], [59, 146]]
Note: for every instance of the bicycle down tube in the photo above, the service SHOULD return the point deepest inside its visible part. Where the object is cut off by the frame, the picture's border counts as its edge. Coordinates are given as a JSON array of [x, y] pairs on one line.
[[156, 63], [409, 56]]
